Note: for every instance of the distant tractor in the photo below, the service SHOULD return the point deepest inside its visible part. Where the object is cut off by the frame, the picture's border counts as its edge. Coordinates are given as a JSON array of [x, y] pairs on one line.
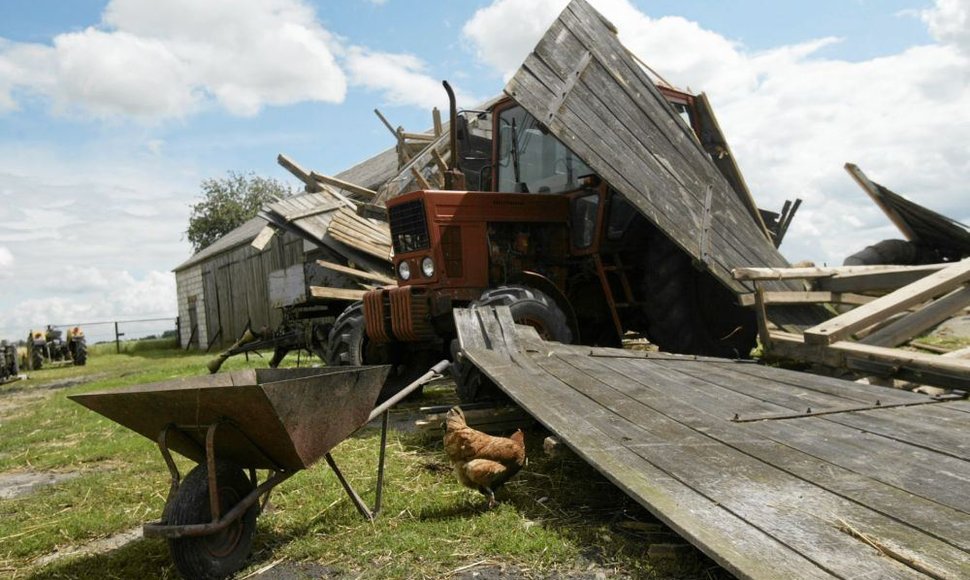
[[9, 367], [48, 347]]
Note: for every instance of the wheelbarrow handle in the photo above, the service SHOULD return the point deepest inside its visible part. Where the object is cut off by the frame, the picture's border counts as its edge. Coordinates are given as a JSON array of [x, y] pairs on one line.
[[436, 370]]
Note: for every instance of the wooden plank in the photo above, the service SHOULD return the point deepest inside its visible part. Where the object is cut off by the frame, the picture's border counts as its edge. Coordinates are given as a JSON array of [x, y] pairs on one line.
[[751, 273], [757, 491], [690, 401], [336, 293], [358, 273], [344, 185], [298, 172], [263, 238], [916, 323], [930, 287], [725, 537], [468, 327], [873, 192], [681, 185], [878, 282], [807, 297]]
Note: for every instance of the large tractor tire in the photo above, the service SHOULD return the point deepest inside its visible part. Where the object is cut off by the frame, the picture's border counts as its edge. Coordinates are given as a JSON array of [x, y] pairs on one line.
[[216, 555], [348, 344], [528, 306], [899, 252], [532, 307], [80, 355], [36, 359], [688, 311]]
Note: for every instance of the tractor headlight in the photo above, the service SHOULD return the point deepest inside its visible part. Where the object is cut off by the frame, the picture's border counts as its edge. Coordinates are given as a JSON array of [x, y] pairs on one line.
[[427, 267], [404, 270]]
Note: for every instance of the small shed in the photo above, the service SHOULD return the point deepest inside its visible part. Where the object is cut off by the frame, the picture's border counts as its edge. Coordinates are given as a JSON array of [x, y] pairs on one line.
[[227, 285]]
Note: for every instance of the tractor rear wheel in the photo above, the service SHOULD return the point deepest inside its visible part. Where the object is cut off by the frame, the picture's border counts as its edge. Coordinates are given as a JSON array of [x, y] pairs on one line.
[[36, 359], [80, 353], [688, 311], [528, 306], [900, 252], [216, 555]]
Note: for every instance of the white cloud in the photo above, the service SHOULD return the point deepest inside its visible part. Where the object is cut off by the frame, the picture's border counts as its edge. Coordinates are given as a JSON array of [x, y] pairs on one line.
[[794, 116], [6, 261], [949, 22], [155, 60], [402, 78]]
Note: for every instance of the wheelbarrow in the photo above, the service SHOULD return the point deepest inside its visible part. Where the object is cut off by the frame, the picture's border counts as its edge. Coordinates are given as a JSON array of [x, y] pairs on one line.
[[231, 424]]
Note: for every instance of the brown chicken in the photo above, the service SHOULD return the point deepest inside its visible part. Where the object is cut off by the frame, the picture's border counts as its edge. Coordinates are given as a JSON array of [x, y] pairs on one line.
[[481, 461]]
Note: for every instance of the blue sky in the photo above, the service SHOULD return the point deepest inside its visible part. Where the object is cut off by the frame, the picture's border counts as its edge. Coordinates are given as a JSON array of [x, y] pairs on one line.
[[111, 113]]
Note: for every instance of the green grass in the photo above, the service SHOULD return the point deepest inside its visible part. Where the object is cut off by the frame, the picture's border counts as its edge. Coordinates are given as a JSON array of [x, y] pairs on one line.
[[556, 516]]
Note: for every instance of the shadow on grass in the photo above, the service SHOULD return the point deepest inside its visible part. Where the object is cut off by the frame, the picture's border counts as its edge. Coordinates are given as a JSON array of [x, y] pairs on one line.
[[139, 559]]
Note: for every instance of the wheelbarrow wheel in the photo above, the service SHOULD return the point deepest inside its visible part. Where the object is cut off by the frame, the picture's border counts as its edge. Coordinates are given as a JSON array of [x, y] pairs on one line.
[[216, 555]]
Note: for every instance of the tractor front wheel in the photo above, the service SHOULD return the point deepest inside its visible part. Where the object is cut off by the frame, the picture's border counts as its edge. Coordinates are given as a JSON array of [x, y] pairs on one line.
[[528, 306]]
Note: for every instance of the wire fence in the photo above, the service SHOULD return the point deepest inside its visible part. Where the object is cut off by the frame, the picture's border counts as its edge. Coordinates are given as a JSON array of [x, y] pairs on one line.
[[124, 330]]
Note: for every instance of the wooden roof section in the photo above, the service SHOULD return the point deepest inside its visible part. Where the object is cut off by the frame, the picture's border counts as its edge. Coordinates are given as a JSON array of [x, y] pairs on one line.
[[586, 88], [772, 473]]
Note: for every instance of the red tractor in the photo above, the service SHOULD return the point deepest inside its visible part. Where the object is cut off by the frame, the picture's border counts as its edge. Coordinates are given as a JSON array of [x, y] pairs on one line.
[[550, 239]]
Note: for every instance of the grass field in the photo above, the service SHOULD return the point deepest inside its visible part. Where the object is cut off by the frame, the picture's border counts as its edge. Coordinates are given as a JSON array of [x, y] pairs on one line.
[[558, 518]]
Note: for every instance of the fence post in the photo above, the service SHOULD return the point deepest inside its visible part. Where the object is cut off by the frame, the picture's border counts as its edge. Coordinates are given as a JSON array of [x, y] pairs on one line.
[[118, 336], [178, 332]]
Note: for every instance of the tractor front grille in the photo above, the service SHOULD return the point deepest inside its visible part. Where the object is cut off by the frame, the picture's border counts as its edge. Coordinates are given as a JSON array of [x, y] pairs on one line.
[[409, 227]]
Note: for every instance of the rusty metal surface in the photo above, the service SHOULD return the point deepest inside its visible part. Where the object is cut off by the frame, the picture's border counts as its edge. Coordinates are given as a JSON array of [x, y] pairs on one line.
[[276, 418]]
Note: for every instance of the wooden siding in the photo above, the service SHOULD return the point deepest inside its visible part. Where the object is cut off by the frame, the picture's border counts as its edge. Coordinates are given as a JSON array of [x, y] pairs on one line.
[[586, 88], [773, 473], [236, 287]]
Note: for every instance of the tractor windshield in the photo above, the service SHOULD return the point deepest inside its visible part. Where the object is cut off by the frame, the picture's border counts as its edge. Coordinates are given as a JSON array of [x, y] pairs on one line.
[[532, 160]]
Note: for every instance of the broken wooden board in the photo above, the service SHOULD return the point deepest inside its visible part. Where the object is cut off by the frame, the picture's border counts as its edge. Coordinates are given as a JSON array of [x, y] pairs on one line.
[[868, 482], [581, 83], [932, 286], [917, 223]]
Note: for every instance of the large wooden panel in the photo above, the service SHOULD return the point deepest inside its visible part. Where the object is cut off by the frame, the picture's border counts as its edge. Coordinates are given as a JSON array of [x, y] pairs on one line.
[[872, 483], [581, 83]]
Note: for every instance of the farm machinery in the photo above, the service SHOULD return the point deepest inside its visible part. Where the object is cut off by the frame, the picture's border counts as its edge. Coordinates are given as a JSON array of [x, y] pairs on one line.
[[551, 239], [51, 347]]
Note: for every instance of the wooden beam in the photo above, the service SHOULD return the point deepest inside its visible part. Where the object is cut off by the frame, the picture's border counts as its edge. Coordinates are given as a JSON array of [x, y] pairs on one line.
[[336, 293], [877, 281], [422, 182], [916, 323], [357, 273], [436, 119], [345, 185], [263, 237], [298, 172], [807, 298], [918, 292], [870, 188], [386, 123], [828, 271]]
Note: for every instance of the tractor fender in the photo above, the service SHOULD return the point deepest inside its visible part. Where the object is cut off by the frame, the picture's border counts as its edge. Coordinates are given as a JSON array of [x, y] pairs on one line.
[[545, 285]]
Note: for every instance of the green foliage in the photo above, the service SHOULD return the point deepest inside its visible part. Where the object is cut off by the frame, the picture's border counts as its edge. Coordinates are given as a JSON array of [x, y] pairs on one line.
[[227, 203], [556, 517]]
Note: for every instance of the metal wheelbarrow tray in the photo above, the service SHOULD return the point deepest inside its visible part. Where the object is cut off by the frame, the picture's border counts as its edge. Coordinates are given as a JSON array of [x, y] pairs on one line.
[[282, 420]]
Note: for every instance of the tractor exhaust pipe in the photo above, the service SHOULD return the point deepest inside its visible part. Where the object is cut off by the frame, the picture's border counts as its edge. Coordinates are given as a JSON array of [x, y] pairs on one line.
[[454, 178]]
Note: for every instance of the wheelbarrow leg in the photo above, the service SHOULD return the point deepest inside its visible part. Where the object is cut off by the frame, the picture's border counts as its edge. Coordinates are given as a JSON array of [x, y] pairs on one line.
[[379, 494], [358, 502]]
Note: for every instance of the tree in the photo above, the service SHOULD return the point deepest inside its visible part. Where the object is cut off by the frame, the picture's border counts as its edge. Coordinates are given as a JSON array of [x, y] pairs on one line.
[[229, 202]]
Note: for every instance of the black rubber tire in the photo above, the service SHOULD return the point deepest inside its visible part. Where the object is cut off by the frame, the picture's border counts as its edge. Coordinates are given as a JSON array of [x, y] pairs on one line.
[[688, 311], [347, 344], [899, 252], [528, 306], [36, 359], [80, 353], [532, 307], [217, 555]]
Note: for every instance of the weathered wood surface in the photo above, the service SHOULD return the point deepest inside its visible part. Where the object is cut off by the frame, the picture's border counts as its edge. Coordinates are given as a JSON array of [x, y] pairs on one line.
[[607, 110], [781, 497]]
